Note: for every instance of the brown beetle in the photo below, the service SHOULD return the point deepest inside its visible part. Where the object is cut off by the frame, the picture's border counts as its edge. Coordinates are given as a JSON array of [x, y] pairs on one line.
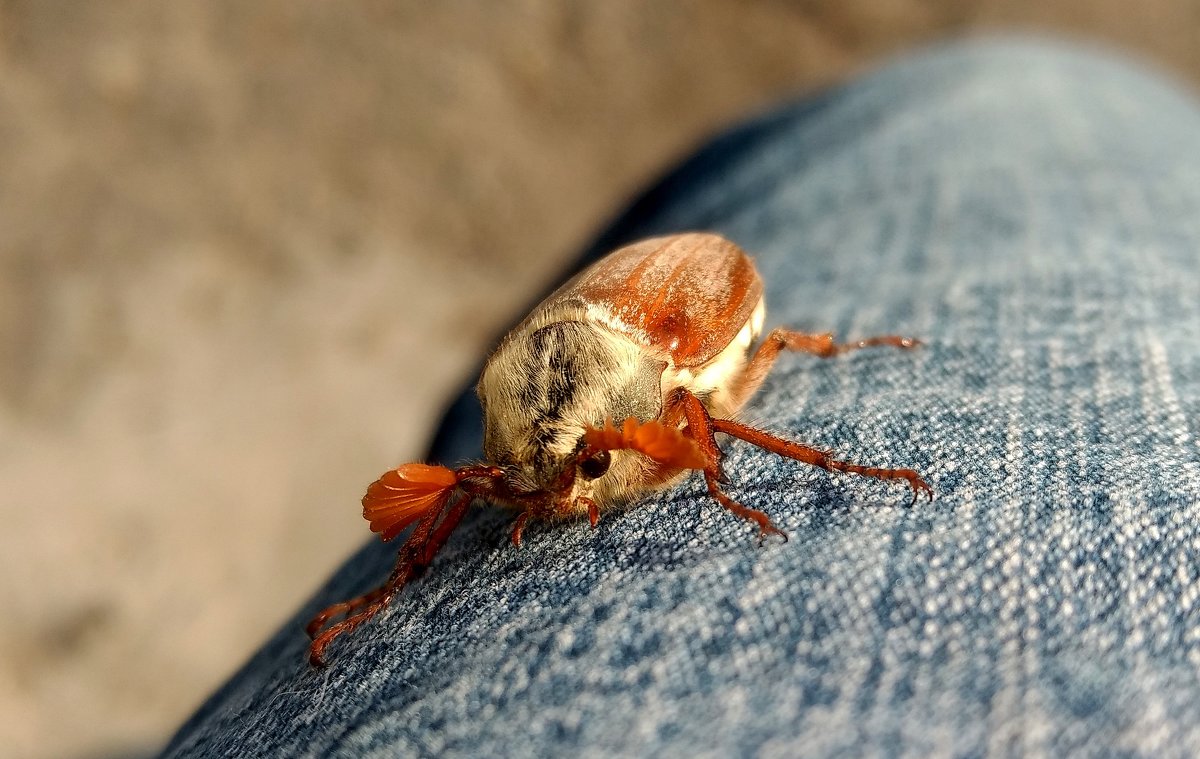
[[659, 335]]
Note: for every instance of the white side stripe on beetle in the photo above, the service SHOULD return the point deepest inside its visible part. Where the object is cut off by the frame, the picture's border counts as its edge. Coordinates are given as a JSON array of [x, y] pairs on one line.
[[657, 335]]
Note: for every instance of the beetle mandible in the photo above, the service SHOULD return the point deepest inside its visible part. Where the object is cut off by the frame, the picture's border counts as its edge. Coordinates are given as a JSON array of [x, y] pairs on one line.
[[658, 335]]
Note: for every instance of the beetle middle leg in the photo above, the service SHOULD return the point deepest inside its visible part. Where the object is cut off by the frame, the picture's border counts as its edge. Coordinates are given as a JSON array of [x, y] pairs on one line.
[[820, 345]]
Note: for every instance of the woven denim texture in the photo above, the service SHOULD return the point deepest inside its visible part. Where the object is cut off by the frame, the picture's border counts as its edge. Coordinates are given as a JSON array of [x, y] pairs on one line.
[[1033, 214]]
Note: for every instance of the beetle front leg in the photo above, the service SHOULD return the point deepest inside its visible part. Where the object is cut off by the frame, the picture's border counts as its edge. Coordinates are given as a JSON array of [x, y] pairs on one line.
[[765, 525], [683, 405], [700, 423], [374, 602], [369, 603], [518, 528], [593, 510], [346, 608], [416, 554]]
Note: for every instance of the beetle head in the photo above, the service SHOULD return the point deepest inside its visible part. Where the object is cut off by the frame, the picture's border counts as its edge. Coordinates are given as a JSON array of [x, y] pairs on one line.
[[543, 388]]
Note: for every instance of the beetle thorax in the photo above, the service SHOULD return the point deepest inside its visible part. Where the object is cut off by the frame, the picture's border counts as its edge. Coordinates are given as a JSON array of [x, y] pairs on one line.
[[547, 382]]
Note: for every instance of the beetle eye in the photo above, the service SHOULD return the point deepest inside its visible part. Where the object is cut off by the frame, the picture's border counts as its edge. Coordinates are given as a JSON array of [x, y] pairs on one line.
[[595, 465]]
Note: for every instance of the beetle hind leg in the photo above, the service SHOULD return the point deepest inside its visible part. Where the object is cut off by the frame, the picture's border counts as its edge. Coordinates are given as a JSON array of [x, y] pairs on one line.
[[824, 345], [821, 345]]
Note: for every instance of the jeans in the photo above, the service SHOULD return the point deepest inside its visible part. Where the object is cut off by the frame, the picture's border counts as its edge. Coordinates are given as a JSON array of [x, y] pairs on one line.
[[1032, 213]]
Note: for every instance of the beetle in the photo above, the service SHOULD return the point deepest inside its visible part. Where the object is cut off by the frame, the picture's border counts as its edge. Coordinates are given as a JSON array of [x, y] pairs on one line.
[[659, 336]]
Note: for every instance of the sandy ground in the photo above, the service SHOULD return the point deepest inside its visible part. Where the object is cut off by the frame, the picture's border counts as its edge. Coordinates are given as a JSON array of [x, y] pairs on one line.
[[247, 250]]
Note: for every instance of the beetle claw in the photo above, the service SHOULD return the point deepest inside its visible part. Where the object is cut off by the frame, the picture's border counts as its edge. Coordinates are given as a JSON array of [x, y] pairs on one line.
[[920, 486], [770, 529], [593, 511], [518, 528]]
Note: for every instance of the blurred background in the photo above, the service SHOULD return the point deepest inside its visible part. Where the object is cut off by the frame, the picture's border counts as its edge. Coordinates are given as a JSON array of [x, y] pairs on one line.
[[248, 250]]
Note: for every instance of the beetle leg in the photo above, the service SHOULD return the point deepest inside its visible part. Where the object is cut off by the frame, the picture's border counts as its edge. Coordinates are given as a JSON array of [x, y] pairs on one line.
[[592, 509], [818, 458], [821, 345], [425, 555], [700, 422], [684, 405], [416, 554], [379, 599], [765, 526], [345, 607], [824, 346], [519, 527]]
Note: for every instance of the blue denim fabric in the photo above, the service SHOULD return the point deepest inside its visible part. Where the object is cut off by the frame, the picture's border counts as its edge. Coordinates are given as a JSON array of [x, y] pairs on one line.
[[1033, 214]]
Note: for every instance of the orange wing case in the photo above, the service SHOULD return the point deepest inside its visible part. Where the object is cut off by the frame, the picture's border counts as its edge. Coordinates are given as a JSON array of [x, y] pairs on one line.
[[687, 295]]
